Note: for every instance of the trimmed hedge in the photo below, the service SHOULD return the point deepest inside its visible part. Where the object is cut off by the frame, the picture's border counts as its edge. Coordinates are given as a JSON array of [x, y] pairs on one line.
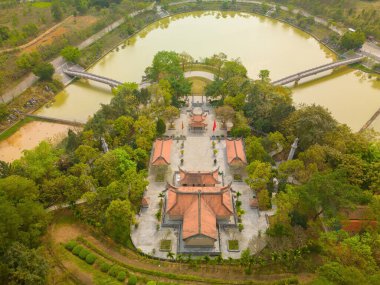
[[90, 258], [104, 267], [83, 253], [121, 276], [114, 271], [132, 280], [205, 280], [77, 249], [70, 245]]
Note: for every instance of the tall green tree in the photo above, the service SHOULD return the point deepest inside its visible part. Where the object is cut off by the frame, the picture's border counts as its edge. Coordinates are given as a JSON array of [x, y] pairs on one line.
[[71, 54]]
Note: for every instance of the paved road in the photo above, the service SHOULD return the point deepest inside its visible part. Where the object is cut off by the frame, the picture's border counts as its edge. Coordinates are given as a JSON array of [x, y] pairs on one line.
[[59, 63]]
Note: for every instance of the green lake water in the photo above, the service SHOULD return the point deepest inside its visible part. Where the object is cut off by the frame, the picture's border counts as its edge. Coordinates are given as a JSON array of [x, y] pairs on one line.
[[259, 42]]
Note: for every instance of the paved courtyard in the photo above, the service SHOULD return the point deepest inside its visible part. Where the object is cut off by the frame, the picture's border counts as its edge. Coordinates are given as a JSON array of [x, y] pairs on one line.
[[198, 156]]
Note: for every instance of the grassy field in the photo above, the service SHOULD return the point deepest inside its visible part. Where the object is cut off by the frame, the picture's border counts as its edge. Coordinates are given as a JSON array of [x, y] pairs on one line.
[[41, 4]]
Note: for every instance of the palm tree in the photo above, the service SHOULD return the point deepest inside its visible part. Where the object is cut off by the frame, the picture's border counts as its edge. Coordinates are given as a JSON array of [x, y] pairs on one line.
[[161, 195], [170, 255]]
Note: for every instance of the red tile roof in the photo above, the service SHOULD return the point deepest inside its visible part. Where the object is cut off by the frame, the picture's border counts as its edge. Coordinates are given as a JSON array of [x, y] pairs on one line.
[[199, 207], [197, 121], [199, 178], [145, 202], [356, 226], [161, 152], [358, 219], [197, 124], [235, 151]]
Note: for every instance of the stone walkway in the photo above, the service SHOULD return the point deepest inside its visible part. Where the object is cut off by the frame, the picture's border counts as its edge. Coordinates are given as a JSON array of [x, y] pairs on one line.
[[198, 156]]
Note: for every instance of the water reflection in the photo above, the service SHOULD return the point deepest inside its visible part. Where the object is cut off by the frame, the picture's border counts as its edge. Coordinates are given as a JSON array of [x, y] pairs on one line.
[[260, 43]]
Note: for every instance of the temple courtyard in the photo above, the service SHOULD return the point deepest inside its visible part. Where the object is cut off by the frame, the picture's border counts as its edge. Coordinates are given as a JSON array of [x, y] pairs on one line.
[[189, 206]]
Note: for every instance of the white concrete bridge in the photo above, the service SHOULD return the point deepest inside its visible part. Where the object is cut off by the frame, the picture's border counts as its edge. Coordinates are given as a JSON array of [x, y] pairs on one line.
[[298, 76], [82, 74]]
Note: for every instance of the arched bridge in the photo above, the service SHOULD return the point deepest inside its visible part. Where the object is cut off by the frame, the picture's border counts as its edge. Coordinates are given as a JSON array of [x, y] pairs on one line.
[[298, 76], [82, 74]]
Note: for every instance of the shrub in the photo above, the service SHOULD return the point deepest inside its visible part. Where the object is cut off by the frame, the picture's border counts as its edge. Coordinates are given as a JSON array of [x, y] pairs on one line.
[[132, 280], [77, 249], [104, 267], [44, 70], [70, 245], [121, 276], [83, 253], [90, 258], [114, 271], [151, 283]]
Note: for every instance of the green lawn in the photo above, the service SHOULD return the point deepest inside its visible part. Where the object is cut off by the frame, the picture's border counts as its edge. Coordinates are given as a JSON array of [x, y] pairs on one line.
[[41, 4]]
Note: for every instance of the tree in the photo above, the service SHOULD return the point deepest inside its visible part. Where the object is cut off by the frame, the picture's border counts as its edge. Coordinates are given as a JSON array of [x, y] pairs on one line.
[[291, 168], [233, 68], [185, 60], [352, 40], [22, 217], [5, 33], [255, 150], [170, 114], [82, 6], [259, 175], [63, 189], [264, 75], [25, 266], [86, 154], [28, 61], [264, 200], [71, 54], [4, 169], [145, 129], [30, 30], [160, 127], [112, 165], [327, 193], [161, 93], [225, 114], [39, 163], [340, 274], [166, 64], [44, 70], [56, 10], [241, 127], [4, 112], [119, 218], [309, 124]]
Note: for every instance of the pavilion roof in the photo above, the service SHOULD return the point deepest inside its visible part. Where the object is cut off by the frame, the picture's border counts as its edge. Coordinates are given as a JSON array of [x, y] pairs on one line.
[[161, 152], [199, 177], [200, 207], [235, 151]]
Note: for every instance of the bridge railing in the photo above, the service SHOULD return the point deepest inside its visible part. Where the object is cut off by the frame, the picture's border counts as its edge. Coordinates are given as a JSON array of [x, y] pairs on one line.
[[316, 70], [91, 76]]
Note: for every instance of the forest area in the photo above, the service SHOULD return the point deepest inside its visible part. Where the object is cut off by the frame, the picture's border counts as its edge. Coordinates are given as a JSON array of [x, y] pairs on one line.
[[335, 171]]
